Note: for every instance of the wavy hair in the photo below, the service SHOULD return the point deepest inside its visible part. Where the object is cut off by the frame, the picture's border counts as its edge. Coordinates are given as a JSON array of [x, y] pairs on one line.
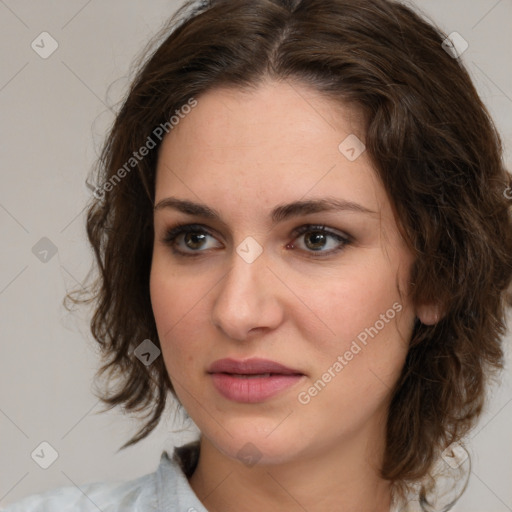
[[433, 145]]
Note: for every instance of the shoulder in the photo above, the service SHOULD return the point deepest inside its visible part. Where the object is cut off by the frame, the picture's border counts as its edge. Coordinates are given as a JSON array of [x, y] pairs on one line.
[[167, 489]]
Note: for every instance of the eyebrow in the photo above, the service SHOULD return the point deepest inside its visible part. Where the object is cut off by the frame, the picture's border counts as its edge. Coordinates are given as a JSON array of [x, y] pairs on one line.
[[279, 213]]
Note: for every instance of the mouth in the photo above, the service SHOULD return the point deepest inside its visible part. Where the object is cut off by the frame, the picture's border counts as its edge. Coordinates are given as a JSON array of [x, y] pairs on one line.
[[251, 367], [251, 375], [253, 380]]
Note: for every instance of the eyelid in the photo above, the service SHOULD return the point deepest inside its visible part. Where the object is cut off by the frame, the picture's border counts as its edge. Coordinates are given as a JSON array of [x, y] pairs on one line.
[[323, 229]]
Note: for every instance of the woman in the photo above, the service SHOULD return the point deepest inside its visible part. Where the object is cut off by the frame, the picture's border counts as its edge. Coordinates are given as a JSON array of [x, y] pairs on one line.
[[303, 233]]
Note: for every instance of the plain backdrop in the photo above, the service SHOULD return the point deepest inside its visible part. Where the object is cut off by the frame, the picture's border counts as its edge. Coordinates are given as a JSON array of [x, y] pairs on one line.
[[54, 114]]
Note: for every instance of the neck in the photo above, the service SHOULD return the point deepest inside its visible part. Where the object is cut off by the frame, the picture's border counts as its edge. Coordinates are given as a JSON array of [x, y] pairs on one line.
[[332, 480]]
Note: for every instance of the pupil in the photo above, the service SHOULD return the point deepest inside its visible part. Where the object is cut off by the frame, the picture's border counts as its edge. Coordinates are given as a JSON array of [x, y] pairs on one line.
[[318, 241], [196, 240]]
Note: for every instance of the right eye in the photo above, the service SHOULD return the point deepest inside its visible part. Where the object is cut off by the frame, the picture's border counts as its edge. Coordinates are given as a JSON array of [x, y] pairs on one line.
[[193, 237]]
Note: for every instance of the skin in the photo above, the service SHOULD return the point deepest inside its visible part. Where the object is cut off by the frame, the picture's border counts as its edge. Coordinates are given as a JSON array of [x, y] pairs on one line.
[[243, 153]]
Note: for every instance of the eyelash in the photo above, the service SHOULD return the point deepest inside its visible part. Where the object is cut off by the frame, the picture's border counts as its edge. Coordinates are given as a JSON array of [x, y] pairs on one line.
[[174, 232]]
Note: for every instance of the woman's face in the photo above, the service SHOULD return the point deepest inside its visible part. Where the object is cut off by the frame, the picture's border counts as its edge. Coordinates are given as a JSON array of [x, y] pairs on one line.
[[256, 277]]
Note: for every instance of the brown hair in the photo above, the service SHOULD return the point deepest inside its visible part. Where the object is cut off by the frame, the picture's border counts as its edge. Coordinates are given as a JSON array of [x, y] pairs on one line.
[[432, 143]]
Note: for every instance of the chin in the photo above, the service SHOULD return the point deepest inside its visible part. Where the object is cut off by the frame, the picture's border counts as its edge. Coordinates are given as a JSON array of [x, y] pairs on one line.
[[259, 442]]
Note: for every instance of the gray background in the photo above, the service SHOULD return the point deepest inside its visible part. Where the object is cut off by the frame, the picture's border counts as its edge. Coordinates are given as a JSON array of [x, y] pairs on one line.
[[54, 113]]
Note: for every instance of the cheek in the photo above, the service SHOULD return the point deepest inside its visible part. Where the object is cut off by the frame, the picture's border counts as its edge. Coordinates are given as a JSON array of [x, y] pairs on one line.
[[370, 324], [164, 293], [354, 379], [179, 304], [170, 303], [174, 294], [179, 309], [358, 298]]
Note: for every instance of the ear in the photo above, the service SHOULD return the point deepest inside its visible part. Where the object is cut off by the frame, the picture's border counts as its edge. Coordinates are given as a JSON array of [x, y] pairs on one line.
[[429, 314]]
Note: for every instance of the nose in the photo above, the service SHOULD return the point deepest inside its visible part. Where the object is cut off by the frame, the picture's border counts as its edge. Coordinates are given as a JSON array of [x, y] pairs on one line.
[[246, 300]]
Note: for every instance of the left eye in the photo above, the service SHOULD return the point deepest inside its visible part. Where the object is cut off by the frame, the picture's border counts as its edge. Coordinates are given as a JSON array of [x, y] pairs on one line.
[[318, 239], [192, 239]]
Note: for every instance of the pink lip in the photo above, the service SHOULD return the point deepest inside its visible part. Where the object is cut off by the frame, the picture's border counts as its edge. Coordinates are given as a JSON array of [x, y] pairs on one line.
[[229, 377]]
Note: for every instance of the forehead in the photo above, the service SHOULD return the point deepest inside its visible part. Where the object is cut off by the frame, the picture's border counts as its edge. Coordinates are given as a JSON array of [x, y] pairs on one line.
[[250, 118], [280, 141]]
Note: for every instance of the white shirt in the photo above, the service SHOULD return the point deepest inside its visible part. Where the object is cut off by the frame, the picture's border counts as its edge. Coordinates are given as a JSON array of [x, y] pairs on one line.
[[165, 490]]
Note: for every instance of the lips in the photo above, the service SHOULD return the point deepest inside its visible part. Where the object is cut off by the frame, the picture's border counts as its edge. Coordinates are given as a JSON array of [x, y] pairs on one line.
[[251, 367], [253, 380]]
